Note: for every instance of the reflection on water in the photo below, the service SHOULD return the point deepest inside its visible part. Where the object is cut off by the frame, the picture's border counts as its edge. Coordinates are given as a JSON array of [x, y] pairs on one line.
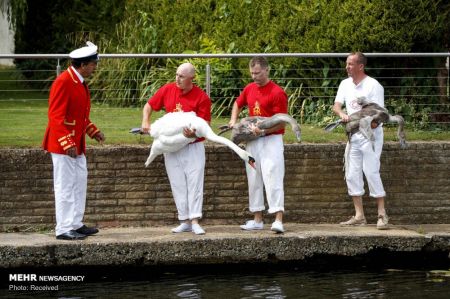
[[261, 283]]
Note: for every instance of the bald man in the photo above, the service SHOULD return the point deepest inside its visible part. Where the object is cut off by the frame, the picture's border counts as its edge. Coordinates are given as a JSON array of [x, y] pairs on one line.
[[185, 168]]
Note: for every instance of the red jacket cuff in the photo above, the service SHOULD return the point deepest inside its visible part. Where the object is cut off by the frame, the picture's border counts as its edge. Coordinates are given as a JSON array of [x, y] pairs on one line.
[[91, 130]]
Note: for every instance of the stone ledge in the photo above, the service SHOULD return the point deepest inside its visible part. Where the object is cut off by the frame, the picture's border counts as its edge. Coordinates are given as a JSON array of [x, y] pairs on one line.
[[156, 246]]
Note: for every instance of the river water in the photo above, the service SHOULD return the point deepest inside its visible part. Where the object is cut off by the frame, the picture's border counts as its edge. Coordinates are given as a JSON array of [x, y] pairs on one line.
[[267, 281]]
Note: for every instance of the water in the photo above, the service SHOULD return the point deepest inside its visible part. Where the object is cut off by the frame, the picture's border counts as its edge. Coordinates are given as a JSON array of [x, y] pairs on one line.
[[269, 281]]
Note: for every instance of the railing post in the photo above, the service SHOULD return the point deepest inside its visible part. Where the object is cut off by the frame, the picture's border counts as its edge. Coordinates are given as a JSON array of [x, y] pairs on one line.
[[208, 79], [447, 64], [58, 69]]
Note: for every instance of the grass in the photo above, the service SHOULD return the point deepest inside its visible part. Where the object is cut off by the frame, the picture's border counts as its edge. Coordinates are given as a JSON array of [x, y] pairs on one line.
[[23, 119], [23, 124]]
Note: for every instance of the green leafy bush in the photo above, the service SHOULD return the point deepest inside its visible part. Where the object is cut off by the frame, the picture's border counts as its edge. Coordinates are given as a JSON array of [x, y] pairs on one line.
[[249, 26]]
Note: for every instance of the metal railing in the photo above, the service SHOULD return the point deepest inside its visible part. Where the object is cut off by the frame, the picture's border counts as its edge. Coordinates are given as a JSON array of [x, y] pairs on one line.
[[59, 57]]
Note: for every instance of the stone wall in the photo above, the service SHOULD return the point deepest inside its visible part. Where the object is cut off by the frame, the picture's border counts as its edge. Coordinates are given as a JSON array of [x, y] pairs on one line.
[[122, 192]]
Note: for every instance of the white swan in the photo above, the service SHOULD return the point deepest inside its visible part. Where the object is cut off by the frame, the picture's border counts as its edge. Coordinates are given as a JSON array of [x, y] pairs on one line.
[[168, 137]]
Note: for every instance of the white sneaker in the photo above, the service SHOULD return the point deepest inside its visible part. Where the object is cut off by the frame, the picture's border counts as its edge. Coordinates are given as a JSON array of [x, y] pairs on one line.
[[183, 227], [277, 227], [252, 225], [197, 229]]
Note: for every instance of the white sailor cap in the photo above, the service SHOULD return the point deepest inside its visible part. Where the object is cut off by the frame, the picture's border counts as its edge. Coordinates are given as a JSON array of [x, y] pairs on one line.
[[87, 53]]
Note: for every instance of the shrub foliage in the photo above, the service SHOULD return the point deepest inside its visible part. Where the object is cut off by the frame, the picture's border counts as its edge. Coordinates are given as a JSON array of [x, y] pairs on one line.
[[248, 26]]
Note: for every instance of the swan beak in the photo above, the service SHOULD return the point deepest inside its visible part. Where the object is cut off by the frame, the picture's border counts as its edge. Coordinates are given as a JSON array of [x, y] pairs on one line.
[[251, 161]]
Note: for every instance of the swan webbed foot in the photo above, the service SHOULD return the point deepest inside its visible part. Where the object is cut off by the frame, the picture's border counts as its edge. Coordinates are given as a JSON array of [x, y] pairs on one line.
[[251, 161], [403, 144]]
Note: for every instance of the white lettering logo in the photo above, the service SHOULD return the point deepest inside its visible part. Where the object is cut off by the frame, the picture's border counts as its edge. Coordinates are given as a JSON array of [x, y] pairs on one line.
[[22, 277]]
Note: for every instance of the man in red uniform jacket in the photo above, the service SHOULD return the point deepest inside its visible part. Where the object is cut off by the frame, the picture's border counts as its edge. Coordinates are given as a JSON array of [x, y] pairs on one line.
[[68, 122]]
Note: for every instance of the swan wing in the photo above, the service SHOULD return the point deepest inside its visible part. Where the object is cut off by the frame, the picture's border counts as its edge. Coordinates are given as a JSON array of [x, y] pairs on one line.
[[281, 118], [171, 123], [365, 127]]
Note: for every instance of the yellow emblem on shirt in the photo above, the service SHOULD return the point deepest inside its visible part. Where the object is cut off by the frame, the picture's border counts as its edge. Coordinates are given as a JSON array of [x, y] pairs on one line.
[[256, 109]]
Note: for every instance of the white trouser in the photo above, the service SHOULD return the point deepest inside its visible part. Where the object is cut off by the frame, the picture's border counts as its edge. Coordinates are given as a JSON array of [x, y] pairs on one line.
[[186, 170], [363, 158], [269, 156], [70, 184]]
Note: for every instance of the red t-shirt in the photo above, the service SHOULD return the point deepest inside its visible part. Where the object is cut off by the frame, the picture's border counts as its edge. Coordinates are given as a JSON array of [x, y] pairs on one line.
[[267, 100], [173, 100]]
